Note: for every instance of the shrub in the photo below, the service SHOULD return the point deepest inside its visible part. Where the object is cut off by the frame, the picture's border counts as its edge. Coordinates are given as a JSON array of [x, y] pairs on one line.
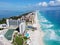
[[18, 41]]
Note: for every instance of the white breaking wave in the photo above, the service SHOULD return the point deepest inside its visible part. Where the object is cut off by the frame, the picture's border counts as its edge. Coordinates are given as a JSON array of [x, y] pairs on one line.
[[52, 35], [47, 25], [43, 19], [44, 22]]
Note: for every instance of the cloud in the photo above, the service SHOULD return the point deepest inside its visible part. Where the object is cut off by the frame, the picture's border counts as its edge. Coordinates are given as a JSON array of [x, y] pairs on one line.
[[44, 4], [54, 3], [51, 3], [57, 0]]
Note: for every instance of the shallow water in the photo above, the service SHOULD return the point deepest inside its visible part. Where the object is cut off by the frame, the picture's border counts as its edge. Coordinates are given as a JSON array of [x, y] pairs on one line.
[[50, 24]]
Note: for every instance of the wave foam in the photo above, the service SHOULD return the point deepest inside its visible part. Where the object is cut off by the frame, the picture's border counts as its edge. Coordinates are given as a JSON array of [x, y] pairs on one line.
[[47, 26], [43, 19], [52, 35]]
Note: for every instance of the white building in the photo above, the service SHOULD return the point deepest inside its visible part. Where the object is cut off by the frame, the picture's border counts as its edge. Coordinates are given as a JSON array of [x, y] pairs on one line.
[[3, 26], [13, 23], [22, 27]]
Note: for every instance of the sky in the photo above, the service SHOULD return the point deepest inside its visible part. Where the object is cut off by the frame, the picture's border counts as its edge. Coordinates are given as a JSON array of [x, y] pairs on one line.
[[15, 7], [18, 4]]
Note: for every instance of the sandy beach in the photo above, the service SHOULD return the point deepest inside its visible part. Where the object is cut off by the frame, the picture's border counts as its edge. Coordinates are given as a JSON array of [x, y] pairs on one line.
[[37, 35]]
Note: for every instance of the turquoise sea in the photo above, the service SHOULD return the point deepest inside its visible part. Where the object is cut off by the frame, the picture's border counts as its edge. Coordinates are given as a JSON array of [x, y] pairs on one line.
[[50, 24]]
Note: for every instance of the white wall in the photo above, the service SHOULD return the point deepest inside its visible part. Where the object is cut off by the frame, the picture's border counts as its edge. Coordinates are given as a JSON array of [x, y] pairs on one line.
[[7, 21], [12, 23], [22, 27]]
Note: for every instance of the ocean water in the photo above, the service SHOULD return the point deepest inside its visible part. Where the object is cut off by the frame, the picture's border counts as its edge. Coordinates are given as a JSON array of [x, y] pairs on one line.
[[8, 13], [50, 24]]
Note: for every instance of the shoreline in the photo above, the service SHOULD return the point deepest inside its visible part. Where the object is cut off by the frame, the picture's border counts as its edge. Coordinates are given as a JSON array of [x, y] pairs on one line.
[[37, 35], [40, 31], [41, 34]]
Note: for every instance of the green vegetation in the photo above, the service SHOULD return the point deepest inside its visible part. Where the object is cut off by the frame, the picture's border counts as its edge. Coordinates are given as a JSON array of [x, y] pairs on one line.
[[19, 40], [17, 17], [3, 20], [32, 30]]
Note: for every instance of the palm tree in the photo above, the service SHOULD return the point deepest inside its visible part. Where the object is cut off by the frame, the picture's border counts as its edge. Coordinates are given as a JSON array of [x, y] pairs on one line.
[[20, 40]]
